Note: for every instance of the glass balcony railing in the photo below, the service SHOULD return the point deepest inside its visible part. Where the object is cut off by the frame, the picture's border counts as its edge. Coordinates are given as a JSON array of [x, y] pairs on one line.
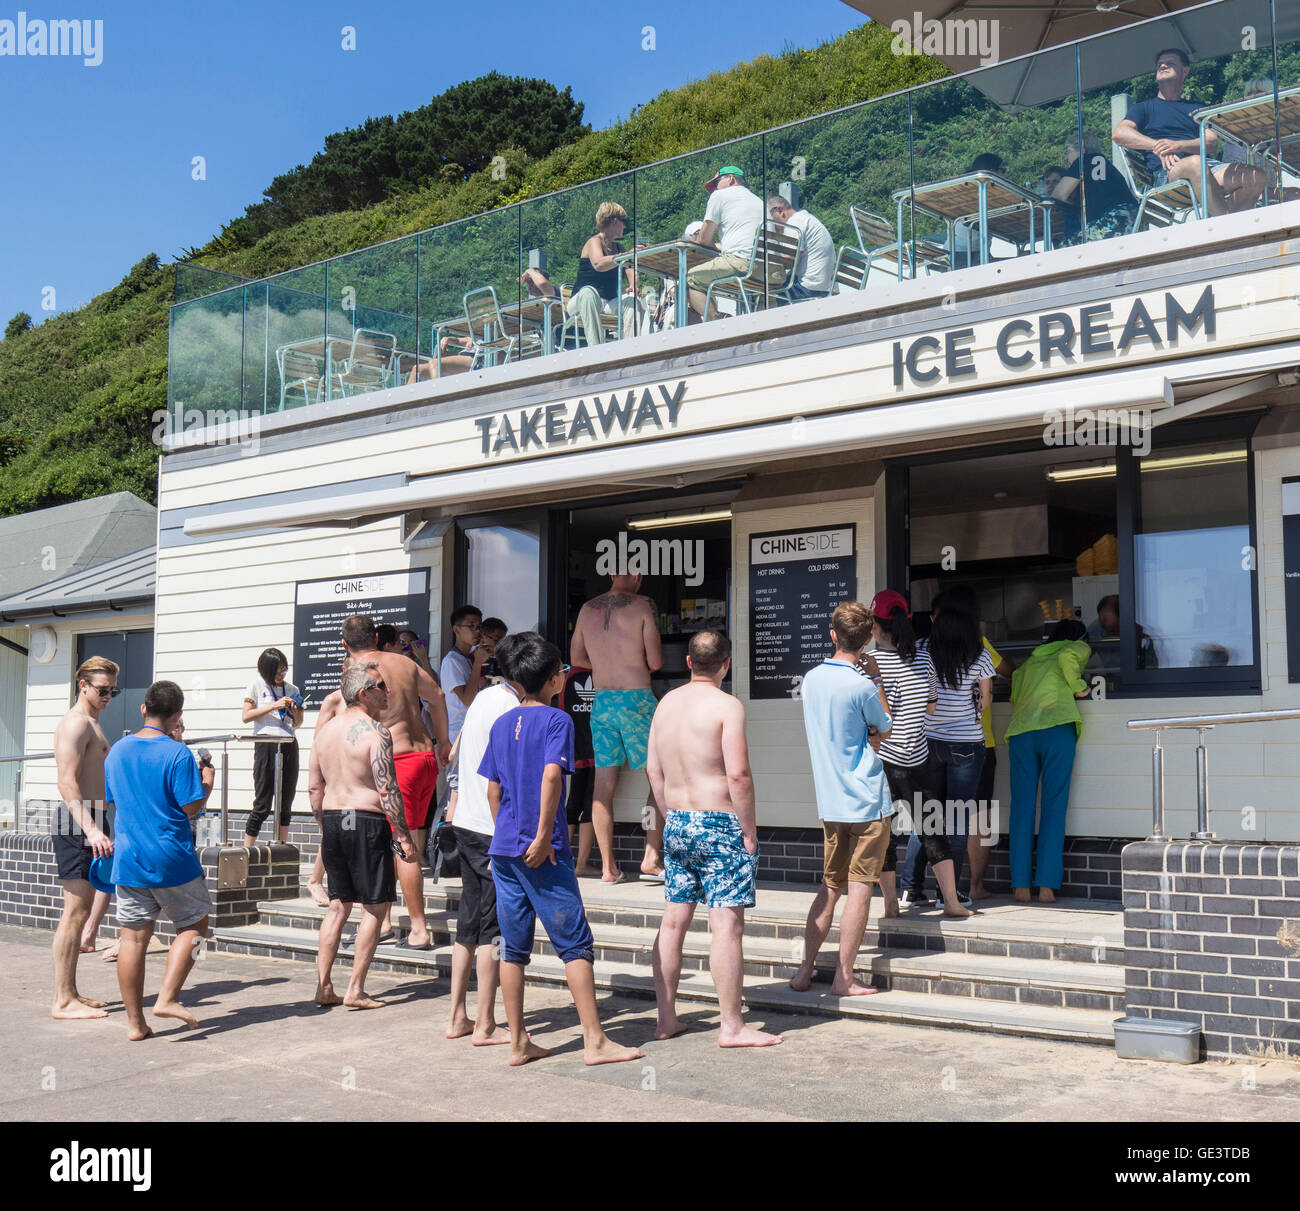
[[971, 168]]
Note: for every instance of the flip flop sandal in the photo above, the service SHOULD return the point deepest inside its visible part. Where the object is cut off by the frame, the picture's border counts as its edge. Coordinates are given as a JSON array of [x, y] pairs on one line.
[[622, 878], [655, 880], [407, 944]]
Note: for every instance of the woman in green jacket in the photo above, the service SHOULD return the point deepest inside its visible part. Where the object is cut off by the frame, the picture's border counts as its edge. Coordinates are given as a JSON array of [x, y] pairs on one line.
[[1041, 738]]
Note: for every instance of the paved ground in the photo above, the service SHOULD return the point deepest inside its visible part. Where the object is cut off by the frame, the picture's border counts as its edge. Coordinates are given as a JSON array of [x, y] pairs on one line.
[[265, 1052]]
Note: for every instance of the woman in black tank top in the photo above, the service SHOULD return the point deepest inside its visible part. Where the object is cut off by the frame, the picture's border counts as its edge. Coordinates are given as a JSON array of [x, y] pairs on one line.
[[598, 274]]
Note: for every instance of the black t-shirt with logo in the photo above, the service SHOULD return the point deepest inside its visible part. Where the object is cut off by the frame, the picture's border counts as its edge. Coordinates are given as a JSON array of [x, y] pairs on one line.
[[578, 695]]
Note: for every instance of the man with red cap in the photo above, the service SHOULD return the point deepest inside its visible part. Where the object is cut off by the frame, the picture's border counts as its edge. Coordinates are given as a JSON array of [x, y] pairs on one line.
[[731, 221]]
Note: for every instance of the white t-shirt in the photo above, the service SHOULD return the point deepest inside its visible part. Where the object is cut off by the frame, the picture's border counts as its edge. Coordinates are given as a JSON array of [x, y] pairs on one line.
[[738, 214], [472, 810], [455, 673], [261, 694], [816, 268]]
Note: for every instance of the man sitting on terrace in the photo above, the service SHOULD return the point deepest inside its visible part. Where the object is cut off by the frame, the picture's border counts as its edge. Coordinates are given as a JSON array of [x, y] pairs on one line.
[[731, 221], [1091, 180], [815, 273], [1164, 129]]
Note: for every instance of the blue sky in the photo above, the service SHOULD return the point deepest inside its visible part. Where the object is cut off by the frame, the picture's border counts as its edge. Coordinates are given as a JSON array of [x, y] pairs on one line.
[[98, 159]]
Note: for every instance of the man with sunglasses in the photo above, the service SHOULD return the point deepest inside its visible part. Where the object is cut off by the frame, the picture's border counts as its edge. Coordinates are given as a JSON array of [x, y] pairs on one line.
[[352, 784], [81, 828]]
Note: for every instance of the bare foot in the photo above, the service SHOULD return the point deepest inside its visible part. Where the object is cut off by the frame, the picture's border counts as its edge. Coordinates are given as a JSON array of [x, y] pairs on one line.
[[1021, 894], [979, 892], [325, 997], [617, 877], [529, 1051], [110, 955], [317, 893], [653, 871], [891, 908], [458, 1028], [74, 1011], [854, 990], [957, 909], [801, 981], [747, 1036], [136, 1033], [174, 1009], [1046, 895], [491, 1037], [87, 948], [586, 873], [668, 1029], [92, 1004], [363, 1002], [608, 1052]]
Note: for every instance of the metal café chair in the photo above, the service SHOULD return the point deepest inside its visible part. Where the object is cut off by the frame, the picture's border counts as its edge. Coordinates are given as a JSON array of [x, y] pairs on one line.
[[851, 268], [299, 371], [489, 331], [878, 241], [772, 266], [1158, 205], [369, 361]]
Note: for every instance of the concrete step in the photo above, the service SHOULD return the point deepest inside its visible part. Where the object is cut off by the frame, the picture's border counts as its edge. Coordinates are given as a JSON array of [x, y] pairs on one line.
[[761, 992], [1075, 931]]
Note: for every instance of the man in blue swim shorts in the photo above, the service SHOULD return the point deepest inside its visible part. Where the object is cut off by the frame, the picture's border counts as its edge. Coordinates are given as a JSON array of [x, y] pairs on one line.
[[617, 638], [698, 764]]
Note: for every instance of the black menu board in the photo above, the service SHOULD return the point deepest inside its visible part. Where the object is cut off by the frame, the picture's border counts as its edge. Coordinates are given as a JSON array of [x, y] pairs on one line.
[[320, 606], [796, 578]]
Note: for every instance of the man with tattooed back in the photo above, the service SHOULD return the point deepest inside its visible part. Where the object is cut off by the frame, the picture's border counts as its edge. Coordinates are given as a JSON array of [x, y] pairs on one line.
[[617, 638], [356, 801]]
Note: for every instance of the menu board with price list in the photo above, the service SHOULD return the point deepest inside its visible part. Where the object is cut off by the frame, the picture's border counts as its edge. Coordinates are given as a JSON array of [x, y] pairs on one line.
[[321, 606], [796, 578]]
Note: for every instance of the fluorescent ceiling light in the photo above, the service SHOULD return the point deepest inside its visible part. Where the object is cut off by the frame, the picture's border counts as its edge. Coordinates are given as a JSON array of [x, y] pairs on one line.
[[1170, 462], [678, 519]]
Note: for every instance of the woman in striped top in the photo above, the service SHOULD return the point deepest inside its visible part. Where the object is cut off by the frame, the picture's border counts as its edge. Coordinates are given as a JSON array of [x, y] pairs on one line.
[[961, 687], [905, 751]]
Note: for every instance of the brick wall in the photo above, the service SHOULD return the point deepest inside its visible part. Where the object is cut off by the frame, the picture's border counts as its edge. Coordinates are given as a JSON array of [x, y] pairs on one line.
[[31, 895], [1212, 934]]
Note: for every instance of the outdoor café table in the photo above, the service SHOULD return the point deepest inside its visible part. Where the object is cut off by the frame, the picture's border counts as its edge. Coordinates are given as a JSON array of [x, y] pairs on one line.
[[535, 312], [1250, 123], [675, 260], [983, 198]]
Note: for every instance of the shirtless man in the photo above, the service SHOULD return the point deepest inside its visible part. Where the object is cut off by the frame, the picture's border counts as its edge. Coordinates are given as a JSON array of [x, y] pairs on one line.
[[698, 763], [617, 638], [80, 825], [331, 706], [413, 754], [352, 783]]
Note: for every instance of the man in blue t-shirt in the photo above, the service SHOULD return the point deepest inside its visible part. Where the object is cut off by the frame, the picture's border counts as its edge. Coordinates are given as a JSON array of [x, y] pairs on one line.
[[530, 749], [853, 799], [1164, 129], [156, 788]]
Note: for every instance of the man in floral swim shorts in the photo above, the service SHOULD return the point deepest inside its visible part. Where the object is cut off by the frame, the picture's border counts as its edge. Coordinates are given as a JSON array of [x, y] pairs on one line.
[[617, 638], [698, 764]]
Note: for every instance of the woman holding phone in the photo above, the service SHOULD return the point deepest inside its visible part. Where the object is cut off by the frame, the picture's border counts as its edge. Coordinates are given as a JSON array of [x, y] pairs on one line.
[[274, 707]]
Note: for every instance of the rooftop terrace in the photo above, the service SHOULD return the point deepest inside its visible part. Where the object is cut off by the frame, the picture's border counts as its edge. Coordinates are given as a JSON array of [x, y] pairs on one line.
[[890, 179]]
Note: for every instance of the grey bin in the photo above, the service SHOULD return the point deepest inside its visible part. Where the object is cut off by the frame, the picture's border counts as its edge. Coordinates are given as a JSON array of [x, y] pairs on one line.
[[1158, 1039]]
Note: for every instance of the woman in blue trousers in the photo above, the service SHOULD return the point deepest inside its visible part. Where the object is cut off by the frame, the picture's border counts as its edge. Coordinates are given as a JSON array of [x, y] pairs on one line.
[[1041, 738]]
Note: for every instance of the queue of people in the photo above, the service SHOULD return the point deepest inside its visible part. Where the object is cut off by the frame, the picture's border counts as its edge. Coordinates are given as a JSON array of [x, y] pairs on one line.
[[893, 725]]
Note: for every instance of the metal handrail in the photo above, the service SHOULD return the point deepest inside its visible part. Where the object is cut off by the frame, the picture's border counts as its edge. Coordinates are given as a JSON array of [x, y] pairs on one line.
[[224, 739], [1199, 724]]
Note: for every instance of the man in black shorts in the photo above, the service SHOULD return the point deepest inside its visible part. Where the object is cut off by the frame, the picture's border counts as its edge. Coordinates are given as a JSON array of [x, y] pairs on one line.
[[80, 828], [357, 803], [576, 703]]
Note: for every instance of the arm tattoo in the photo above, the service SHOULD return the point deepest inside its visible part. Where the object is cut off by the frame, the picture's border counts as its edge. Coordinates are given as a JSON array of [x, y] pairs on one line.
[[384, 770]]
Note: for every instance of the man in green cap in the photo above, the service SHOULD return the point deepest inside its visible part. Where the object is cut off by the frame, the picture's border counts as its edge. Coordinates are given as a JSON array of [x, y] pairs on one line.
[[730, 223]]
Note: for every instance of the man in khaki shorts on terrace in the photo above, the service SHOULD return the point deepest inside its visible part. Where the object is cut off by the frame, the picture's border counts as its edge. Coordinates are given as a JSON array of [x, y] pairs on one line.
[[731, 221], [853, 799]]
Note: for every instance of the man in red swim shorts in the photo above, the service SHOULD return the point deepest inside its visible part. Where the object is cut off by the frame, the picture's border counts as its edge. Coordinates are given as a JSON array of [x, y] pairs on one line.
[[414, 754]]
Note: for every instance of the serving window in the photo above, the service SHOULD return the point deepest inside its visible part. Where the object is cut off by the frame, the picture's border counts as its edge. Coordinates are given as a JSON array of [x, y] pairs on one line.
[[1149, 545]]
